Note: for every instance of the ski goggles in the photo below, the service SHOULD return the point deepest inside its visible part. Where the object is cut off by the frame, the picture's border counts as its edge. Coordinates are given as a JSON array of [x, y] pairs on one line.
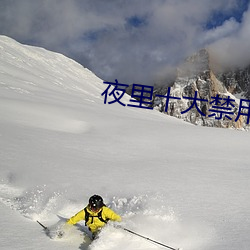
[[94, 208]]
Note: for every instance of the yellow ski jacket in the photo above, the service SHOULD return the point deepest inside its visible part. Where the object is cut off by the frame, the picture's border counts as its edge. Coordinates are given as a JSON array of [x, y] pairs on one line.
[[94, 223]]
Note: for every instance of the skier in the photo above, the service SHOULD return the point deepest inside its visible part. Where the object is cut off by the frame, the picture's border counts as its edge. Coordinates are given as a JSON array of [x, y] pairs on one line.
[[95, 214]]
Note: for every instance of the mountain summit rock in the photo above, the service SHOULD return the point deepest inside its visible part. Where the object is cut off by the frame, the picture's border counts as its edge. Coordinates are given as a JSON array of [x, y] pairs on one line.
[[197, 76]]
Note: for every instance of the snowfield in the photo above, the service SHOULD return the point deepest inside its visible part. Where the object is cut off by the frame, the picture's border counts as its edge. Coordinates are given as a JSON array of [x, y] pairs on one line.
[[182, 185]]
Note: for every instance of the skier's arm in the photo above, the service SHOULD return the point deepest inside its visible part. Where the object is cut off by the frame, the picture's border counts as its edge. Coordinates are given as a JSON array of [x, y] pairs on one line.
[[110, 214], [77, 217]]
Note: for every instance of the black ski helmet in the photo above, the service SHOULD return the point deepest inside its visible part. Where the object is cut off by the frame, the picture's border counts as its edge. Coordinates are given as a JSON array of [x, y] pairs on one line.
[[96, 202]]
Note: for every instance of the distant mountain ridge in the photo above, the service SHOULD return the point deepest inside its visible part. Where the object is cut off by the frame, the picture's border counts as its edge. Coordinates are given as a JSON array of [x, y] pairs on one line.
[[198, 75], [237, 81]]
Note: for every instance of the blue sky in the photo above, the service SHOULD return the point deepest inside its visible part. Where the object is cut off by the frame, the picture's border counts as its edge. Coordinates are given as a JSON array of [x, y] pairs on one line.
[[135, 41], [218, 17]]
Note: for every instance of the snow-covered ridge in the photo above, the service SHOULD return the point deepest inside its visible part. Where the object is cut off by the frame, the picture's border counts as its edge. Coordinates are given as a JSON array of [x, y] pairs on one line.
[[33, 74], [34, 65]]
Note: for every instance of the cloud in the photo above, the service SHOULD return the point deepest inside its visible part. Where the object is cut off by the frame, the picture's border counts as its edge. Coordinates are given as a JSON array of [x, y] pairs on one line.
[[132, 41], [233, 49], [228, 28]]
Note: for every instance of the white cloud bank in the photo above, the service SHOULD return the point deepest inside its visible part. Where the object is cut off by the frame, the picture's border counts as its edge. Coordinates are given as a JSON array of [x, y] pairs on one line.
[[133, 41]]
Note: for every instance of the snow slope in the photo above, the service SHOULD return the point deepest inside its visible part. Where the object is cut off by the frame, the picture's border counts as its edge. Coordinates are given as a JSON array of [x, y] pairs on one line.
[[176, 183]]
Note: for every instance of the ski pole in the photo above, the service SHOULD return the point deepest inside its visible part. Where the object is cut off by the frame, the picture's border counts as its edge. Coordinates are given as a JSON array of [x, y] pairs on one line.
[[146, 238], [45, 228]]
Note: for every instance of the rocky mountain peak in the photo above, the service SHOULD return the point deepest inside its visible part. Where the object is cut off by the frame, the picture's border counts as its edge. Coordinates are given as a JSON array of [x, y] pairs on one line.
[[196, 76], [196, 64]]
